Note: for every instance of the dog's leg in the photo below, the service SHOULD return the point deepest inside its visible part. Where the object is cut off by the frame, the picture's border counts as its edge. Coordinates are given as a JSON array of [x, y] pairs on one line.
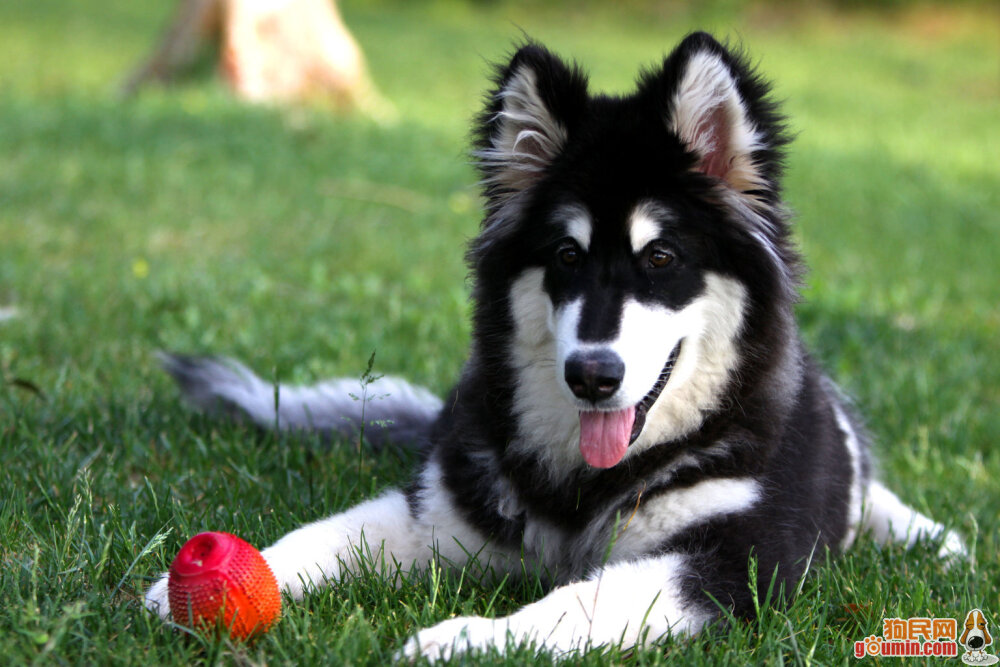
[[890, 520], [627, 603], [383, 533]]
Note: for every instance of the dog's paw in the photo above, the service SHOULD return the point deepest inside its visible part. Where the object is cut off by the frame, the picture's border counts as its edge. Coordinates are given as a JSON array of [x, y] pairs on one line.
[[952, 548], [157, 600], [453, 637]]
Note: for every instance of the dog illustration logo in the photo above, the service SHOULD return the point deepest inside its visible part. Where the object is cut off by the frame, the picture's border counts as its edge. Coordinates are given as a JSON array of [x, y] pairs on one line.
[[975, 639]]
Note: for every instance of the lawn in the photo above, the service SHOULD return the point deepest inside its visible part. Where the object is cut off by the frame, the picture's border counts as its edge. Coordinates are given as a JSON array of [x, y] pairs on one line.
[[302, 241]]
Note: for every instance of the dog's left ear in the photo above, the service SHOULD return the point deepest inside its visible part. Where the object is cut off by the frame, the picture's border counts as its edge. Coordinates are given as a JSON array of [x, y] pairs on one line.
[[527, 120], [721, 112]]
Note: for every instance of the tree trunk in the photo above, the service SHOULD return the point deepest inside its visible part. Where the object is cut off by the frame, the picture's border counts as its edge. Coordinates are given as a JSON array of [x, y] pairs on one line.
[[270, 51]]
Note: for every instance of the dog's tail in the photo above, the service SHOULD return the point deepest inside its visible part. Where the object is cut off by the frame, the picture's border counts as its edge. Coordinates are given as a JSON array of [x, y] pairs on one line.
[[388, 408]]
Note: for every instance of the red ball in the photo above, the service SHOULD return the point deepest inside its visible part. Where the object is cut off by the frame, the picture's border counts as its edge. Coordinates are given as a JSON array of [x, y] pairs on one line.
[[217, 578]]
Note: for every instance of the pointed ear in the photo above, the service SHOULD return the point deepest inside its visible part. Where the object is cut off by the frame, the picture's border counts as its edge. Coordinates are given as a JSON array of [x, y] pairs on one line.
[[720, 110], [527, 120]]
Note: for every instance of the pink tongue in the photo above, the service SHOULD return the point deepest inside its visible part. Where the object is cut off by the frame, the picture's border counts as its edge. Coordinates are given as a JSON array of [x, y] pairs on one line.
[[604, 436]]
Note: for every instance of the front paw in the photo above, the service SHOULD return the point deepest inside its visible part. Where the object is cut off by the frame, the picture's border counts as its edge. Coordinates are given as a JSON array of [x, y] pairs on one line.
[[453, 637], [157, 598]]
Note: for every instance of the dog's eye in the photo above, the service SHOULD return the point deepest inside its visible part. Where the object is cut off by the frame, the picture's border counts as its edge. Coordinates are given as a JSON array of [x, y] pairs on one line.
[[569, 254], [658, 256]]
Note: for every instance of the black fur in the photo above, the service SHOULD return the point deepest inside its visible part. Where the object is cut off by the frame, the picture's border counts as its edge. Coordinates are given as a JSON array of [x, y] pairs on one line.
[[777, 423], [776, 417]]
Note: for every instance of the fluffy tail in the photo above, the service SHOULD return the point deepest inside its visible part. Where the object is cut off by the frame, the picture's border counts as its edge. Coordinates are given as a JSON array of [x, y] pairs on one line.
[[391, 409]]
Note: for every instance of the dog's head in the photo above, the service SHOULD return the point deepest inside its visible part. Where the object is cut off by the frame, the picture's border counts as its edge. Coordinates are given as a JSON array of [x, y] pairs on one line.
[[630, 241], [977, 634]]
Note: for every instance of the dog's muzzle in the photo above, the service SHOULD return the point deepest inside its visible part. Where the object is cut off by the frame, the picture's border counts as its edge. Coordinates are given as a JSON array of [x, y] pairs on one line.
[[594, 375]]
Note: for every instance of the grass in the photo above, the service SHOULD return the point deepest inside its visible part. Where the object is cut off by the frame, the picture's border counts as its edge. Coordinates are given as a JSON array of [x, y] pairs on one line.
[[301, 241]]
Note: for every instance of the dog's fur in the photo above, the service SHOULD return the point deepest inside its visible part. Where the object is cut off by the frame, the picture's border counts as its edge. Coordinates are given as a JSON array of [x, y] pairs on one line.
[[637, 417]]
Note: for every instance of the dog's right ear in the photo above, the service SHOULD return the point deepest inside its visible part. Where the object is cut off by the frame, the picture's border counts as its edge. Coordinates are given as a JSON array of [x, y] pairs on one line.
[[527, 121]]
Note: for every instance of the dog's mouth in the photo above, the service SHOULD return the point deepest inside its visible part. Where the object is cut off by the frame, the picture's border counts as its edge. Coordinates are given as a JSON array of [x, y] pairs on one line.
[[605, 435], [643, 406]]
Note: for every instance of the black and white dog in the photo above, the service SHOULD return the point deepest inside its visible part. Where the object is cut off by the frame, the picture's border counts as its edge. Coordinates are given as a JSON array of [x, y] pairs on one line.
[[637, 417]]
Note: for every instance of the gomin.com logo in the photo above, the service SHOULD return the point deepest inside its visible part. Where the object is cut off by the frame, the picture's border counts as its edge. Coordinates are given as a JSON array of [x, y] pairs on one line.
[[931, 637], [911, 637]]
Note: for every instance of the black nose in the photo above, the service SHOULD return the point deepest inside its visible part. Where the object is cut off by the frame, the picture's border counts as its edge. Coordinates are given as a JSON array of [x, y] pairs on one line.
[[594, 375], [976, 642]]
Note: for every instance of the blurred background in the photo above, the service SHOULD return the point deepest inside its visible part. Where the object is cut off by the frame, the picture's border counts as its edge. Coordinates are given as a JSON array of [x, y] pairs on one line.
[[182, 217]]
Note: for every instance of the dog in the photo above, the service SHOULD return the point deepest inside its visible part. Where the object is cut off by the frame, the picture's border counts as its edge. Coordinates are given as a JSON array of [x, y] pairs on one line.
[[975, 639], [638, 417]]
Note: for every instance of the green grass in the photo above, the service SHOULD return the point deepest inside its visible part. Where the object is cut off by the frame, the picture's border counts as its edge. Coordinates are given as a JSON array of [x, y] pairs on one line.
[[301, 241]]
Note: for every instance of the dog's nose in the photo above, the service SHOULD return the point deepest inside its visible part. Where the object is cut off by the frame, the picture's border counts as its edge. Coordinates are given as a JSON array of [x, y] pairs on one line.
[[594, 375], [976, 643]]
